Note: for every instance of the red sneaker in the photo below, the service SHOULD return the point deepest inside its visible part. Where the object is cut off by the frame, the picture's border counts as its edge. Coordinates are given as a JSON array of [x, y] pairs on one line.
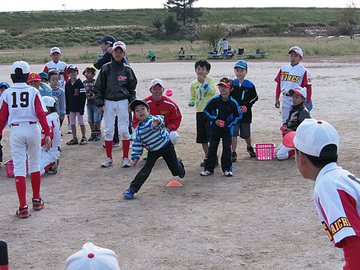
[[23, 212], [38, 204]]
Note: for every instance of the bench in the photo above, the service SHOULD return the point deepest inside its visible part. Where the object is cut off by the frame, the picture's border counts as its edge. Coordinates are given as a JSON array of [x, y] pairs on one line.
[[216, 56], [185, 56], [253, 55]]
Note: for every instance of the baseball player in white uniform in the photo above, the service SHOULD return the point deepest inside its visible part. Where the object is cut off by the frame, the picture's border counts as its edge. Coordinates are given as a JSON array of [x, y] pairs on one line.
[[289, 77], [22, 106], [49, 158], [337, 191]]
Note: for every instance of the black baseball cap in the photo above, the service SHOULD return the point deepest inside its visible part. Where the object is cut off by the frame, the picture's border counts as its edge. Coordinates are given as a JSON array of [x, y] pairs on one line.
[[136, 102], [106, 39]]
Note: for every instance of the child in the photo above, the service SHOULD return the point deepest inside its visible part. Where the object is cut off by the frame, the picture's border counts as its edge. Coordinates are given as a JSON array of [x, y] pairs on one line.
[[49, 158], [224, 113], [337, 191], [162, 105], [94, 118], [44, 77], [3, 87], [56, 64], [35, 81], [244, 93], [289, 77], [22, 106], [91, 257], [297, 114], [58, 94], [201, 91], [151, 133], [114, 89], [75, 98]]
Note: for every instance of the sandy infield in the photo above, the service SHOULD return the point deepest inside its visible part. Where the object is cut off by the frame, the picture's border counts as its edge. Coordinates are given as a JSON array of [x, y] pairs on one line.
[[262, 218]]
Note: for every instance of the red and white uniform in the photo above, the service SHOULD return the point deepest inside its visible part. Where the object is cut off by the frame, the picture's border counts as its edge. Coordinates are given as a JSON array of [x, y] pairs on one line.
[[52, 155], [22, 106], [171, 112], [337, 199], [288, 78], [59, 66]]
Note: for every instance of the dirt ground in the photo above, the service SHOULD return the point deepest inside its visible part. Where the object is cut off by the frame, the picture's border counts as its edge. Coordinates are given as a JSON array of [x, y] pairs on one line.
[[261, 218]]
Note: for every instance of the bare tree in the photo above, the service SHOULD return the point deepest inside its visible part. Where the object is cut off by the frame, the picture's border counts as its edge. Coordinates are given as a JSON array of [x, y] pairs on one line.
[[349, 18]]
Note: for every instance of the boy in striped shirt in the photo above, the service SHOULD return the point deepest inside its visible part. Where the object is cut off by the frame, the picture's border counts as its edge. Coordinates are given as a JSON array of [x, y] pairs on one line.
[[151, 134]]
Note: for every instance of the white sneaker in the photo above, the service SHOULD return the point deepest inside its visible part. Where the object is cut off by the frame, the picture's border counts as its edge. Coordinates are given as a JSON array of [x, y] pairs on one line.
[[206, 173], [126, 163], [228, 173], [107, 162]]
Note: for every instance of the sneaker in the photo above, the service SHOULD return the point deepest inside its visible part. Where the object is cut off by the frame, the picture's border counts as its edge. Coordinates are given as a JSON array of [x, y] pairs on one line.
[[126, 163], [228, 173], [145, 155], [116, 144], [83, 141], [206, 173], [93, 136], [98, 136], [73, 141], [182, 173], [129, 194], [233, 157], [251, 151], [23, 212], [52, 169], [69, 129], [38, 204], [107, 162]]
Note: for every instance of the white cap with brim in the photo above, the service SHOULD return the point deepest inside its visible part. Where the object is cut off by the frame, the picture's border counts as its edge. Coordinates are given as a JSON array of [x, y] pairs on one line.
[[301, 91], [312, 136], [48, 101], [119, 44], [155, 82], [24, 66], [91, 257]]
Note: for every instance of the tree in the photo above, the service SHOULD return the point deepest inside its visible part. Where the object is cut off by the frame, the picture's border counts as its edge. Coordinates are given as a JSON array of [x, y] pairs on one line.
[[184, 10], [349, 18], [211, 34]]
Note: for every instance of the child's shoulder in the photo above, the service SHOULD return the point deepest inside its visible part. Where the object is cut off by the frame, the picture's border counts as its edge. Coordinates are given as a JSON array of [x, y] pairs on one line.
[[248, 83]]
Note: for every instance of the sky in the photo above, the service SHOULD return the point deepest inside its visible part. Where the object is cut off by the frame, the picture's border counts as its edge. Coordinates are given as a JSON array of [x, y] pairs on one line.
[[26, 5]]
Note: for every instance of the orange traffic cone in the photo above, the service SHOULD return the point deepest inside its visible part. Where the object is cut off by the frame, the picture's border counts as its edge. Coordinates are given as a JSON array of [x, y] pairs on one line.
[[174, 183]]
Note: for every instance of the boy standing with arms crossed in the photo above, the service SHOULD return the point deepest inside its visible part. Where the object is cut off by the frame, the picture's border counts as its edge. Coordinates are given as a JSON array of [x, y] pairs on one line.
[[201, 91], [22, 107], [337, 191], [114, 90], [289, 77], [244, 93]]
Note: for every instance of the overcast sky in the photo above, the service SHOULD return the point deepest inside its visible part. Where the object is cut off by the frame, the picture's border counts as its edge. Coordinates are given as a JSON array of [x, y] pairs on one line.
[[26, 5]]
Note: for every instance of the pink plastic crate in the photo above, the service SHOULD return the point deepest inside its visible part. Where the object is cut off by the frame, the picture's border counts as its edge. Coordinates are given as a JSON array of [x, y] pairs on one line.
[[264, 151], [9, 168]]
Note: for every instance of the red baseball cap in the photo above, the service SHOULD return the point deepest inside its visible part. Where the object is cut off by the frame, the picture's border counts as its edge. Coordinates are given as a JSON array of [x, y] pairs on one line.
[[34, 77]]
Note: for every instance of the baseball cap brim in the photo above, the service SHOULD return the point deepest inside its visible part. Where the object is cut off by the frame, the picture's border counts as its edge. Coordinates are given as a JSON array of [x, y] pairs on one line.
[[288, 139], [224, 83]]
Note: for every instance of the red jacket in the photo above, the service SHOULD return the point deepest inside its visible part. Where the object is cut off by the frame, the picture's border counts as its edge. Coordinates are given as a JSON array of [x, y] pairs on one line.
[[165, 107]]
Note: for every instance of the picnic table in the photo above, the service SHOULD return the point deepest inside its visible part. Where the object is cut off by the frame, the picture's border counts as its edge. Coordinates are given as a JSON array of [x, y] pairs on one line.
[[185, 56], [253, 55]]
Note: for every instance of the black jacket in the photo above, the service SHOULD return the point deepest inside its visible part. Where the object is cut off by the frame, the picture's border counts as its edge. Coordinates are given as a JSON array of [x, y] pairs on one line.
[[297, 114], [116, 81], [75, 97]]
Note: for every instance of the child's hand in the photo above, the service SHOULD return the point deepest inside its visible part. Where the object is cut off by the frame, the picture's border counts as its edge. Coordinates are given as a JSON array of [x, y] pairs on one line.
[[156, 121], [243, 109], [277, 103], [201, 78], [101, 110], [134, 162], [220, 123]]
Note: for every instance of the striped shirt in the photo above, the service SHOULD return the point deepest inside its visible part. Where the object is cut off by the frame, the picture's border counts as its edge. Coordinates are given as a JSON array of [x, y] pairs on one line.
[[153, 137]]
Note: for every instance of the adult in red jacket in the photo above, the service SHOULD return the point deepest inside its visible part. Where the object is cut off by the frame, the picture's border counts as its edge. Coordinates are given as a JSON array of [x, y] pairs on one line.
[[162, 105]]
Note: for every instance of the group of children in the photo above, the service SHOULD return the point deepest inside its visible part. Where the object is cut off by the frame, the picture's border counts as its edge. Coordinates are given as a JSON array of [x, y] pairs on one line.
[[224, 116]]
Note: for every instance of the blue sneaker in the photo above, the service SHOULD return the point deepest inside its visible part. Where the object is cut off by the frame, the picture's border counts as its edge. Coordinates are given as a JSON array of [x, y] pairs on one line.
[[129, 194], [183, 172]]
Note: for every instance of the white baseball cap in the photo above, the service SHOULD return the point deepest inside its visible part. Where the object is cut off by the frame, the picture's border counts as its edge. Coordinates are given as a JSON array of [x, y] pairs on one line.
[[155, 82], [24, 66], [91, 257], [299, 90], [48, 101], [298, 50], [312, 136], [55, 50], [119, 44]]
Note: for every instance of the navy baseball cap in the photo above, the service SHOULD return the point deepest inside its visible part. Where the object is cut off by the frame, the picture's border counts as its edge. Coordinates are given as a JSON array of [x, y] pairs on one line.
[[106, 39], [137, 102], [72, 67], [241, 64]]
